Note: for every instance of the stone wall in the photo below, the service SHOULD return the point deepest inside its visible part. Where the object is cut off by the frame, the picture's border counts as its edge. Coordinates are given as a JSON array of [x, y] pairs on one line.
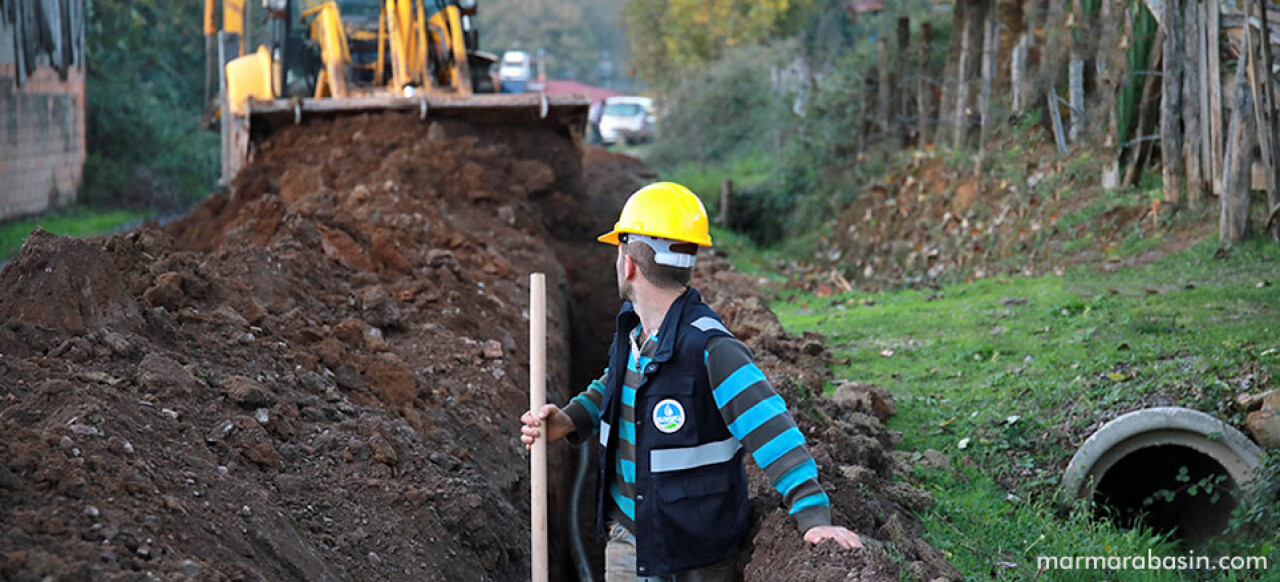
[[42, 133]]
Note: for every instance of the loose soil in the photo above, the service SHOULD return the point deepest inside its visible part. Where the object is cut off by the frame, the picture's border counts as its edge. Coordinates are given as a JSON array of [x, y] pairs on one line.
[[1033, 212], [321, 378]]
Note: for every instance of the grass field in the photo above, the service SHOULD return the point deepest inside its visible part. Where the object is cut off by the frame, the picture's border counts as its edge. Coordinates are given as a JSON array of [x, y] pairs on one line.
[[1013, 373], [75, 222]]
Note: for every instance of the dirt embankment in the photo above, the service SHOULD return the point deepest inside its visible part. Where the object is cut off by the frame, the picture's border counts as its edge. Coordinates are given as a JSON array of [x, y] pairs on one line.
[[316, 380], [850, 443], [321, 379], [1034, 212]]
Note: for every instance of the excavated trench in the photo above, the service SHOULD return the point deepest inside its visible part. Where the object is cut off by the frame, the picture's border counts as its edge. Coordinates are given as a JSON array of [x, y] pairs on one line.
[[1175, 470], [322, 377]]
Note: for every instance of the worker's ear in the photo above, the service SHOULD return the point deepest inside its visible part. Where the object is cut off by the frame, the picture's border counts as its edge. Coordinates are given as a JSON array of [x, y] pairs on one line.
[[629, 267]]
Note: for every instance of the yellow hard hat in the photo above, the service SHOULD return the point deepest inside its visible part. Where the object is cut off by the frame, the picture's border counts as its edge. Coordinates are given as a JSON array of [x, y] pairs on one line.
[[664, 210]]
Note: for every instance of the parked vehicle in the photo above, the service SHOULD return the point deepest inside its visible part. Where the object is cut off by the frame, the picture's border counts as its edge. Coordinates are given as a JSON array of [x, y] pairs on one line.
[[626, 120], [514, 71]]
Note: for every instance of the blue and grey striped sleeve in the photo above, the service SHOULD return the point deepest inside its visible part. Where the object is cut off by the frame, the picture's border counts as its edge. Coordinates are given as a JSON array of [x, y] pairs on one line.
[[584, 410], [757, 416]]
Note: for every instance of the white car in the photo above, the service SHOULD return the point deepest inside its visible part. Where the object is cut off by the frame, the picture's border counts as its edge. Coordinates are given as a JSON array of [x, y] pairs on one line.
[[515, 71], [626, 120]]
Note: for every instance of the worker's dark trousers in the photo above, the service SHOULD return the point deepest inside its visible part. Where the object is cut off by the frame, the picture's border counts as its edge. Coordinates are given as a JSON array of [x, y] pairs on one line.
[[620, 563]]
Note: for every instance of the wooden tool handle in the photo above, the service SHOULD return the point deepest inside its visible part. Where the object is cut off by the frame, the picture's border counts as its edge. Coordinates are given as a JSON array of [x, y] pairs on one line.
[[538, 398]]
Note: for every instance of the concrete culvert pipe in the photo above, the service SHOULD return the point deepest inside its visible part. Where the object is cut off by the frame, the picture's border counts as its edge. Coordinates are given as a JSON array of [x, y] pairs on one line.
[[1128, 460]]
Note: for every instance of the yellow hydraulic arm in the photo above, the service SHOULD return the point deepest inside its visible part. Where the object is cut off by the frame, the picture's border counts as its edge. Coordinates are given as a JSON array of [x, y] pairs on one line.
[[399, 28], [409, 44], [327, 31], [446, 27], [233, 13], [411, 36]]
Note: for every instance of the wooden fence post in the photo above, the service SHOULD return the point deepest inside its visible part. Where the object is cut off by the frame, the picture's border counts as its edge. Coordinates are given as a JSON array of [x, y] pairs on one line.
[[1205, 120], [726, 199], [950, 73], [990, 52], [1233, 225], [924, 87], [966, 72], [884, 104], [1110, 67], [1213, 27], [1259, 69], [1075, 70], [1035, 14], [1054, 48], [1192, 89], [903, 87], [864, 113], [1008, 15], [1075, 83], [1171, 105], [1018, 72]]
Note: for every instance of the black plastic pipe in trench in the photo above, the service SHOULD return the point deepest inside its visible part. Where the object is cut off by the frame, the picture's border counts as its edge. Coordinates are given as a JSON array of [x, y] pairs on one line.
[[575, 546]]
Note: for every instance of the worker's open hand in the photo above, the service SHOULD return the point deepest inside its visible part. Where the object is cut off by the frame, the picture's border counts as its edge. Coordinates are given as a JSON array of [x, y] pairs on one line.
[[847, 539], [558, 425]]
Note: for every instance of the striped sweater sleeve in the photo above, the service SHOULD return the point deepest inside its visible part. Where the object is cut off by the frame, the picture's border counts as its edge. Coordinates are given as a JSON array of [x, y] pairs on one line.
[[584, 410], [757, 416]]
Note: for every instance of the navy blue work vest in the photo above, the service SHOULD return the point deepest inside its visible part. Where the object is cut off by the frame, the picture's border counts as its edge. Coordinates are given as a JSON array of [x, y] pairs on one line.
[[691, 488]]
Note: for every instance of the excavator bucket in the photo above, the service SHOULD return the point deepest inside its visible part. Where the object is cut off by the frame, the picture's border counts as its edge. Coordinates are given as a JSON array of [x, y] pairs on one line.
[[361, 57], [564, 115]]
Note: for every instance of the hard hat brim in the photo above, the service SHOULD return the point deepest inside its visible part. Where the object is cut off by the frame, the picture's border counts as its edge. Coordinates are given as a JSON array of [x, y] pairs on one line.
[[610, 237]]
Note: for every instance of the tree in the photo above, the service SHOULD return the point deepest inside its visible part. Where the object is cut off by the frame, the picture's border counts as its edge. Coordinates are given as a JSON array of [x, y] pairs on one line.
[[143, 96], [668, 35]]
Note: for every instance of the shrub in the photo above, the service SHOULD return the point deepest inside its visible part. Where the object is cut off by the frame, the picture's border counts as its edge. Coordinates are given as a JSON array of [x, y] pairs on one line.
[[727, 109], [143, 99]]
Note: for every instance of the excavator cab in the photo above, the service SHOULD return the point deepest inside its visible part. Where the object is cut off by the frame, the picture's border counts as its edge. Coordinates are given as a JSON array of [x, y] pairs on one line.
[[341, 57]]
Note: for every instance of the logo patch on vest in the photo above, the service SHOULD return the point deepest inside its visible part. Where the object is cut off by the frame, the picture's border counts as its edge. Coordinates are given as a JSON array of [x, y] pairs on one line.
[[668, 416]]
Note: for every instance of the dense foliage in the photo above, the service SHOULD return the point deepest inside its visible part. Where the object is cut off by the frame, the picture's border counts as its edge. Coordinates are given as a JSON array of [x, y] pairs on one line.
[[668, 37], [144, 92], [728, 108], [778, 101], [583, 39]]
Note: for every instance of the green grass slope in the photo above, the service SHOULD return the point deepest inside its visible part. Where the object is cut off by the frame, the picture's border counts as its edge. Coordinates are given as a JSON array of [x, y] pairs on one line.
[[79, 221], [1007, 376]]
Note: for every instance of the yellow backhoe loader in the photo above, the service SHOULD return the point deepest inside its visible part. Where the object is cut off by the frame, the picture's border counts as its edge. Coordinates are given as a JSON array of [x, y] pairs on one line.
[[323, 58]]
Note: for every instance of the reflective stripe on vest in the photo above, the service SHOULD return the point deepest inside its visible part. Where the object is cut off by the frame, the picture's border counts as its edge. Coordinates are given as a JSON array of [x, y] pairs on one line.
[[708, 323], [604, 433], [664, 460]]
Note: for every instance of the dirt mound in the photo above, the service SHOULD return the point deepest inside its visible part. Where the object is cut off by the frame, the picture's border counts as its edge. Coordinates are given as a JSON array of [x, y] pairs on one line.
[[932, 221], [320, 379], [804, 563], [317, 380], [64, 286]]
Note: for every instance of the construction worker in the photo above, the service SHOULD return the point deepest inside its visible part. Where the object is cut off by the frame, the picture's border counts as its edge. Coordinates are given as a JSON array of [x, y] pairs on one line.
[[679, 407]]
